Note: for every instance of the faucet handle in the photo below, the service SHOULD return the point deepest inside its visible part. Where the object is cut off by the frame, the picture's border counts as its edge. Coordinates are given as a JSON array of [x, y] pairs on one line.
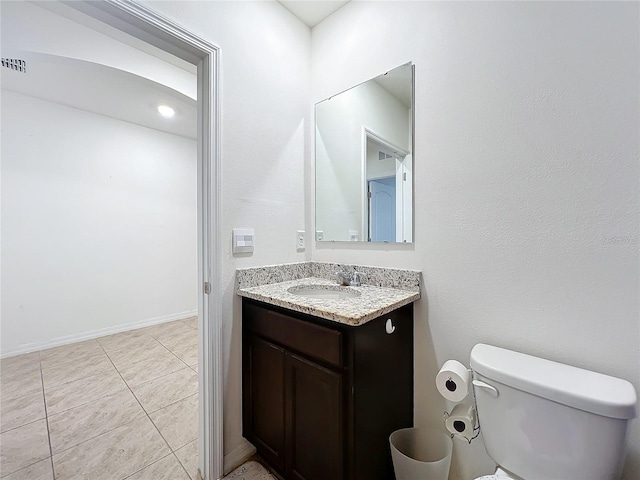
[[356, 278]]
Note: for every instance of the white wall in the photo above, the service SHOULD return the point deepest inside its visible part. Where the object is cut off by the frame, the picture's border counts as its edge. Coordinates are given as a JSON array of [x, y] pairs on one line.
[[526, 174], [266, 117], [340, 121], [98, 224]]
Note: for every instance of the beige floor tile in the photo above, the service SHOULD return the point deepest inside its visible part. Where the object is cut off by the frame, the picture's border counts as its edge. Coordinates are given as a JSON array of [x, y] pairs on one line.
[[188, 354], [166, 390], [151, 347], [191, 322], [73, 351], [188, 456], [72, 394], [19, 364], [79, 424], [20, 385], [179, 340], [119, 341], [23, 446], [178, 422], [19, 411], [194, 368], [167, 468], [166, 329], [38, 471], [113, 455], [73, 370], [151, 368]]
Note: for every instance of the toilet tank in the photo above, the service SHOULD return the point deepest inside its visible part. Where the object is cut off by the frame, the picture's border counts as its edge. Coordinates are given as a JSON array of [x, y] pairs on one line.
[[550, 421]]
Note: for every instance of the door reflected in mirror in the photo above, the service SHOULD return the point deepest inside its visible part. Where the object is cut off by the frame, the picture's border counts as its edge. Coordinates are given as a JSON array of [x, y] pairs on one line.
[[364, 161]]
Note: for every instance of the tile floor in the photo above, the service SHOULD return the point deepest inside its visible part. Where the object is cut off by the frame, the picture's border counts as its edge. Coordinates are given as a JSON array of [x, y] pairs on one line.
[[118, 407]]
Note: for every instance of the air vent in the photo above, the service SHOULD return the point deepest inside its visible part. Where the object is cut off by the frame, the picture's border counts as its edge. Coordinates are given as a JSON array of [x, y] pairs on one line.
[[382, 155], [15, 64]]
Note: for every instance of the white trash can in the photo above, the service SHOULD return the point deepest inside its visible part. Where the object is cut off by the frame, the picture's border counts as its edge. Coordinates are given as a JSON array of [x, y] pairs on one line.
[[421, 454]]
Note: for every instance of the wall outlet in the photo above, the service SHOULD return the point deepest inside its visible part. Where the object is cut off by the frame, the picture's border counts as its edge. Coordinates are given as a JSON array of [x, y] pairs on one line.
[[300, 240], [319, 235]]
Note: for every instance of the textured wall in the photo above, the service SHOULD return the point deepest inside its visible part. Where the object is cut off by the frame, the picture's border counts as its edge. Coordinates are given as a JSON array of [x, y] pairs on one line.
[[526, 175]]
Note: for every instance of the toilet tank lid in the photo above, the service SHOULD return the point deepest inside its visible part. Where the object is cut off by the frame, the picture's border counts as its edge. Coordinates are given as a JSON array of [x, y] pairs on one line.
[[575, 387]]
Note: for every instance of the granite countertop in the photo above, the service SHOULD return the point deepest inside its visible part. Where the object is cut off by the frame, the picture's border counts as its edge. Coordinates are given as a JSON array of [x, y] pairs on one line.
[[372, 301]]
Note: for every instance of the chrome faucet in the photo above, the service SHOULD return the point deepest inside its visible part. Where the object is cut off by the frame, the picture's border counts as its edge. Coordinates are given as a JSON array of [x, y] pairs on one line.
[[345, 278]]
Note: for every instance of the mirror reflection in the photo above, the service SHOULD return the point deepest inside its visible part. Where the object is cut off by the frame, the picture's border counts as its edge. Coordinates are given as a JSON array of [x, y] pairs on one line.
[[364, 162]]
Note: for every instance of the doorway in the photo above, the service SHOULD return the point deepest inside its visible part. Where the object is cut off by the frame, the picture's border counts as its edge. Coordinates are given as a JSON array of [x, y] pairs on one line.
[[387, 209], [143, 24], [382, 209]]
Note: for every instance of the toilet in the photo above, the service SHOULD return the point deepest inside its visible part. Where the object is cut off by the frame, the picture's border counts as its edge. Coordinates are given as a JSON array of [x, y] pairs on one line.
[[543, 420]]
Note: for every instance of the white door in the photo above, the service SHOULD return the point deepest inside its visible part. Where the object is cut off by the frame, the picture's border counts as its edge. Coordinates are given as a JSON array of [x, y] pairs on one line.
[[382, 209]]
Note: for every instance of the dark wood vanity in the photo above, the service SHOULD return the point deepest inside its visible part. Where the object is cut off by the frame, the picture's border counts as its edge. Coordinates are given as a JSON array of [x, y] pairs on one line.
[[320, 398]]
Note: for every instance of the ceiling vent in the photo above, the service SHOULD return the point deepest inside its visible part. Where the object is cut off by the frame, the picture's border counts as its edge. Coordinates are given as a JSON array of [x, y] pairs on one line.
[[15, 64]]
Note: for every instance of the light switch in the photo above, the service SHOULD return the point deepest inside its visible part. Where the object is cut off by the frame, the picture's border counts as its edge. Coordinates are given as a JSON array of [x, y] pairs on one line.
[[300, 240], [243, 240]]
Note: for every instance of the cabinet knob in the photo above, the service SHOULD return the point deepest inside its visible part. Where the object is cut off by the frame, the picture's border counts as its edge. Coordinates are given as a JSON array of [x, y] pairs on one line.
[[390, 327]]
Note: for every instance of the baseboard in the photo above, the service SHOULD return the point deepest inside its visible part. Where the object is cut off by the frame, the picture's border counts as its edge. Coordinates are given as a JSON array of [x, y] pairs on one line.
[[238, 456], [101, 332]]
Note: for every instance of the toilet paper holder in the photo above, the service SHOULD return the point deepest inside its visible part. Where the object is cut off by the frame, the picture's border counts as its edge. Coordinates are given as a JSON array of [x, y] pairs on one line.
[[461, 427]]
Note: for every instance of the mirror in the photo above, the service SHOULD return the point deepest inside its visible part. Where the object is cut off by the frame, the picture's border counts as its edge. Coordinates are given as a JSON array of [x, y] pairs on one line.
[[364, 161]]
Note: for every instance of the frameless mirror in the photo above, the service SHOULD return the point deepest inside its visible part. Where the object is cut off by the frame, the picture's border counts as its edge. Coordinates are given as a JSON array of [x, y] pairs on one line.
[[364, 161]]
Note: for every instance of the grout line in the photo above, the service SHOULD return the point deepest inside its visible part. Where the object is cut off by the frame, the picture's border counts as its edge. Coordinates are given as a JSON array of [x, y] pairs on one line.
[[50, 386], [50, 365], [23, 425], [46, 416], [147, 414], [50, 457], [173, 403], [99, 435], [152, 463], [90, 401], [180, 463], [154, 379], [148, 417]]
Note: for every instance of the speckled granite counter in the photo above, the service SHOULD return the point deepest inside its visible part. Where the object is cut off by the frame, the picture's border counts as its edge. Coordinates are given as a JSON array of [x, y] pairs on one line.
[[391, 289]]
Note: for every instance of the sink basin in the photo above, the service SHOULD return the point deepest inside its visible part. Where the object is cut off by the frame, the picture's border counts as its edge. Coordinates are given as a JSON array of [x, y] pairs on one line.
[[324, 292]]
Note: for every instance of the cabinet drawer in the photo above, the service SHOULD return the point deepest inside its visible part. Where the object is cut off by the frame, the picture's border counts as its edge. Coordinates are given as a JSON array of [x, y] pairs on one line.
[[305, 337]]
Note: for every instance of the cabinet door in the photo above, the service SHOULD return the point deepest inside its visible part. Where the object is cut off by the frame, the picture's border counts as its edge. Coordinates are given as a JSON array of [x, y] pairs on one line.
[[314, 421], [264, 403]]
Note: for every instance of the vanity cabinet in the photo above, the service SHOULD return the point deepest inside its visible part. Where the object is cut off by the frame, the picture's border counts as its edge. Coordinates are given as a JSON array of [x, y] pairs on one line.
[[321, 398]]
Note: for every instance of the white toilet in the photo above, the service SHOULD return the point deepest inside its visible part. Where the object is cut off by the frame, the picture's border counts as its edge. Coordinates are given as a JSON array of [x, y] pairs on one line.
[[543, 420]]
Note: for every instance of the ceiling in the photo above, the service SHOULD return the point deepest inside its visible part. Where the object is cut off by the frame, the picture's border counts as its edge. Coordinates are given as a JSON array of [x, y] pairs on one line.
[[104, 90], [398, 83], [312, 12]]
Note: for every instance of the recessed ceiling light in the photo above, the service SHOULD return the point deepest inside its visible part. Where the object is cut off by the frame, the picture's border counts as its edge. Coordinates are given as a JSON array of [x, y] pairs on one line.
[[166, 111]]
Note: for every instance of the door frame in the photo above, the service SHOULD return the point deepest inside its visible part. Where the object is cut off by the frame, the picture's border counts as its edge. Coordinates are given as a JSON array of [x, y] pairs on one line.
[[370, 134], [146, 25]]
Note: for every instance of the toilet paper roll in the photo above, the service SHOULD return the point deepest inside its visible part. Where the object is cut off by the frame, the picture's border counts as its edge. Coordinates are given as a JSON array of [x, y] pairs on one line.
[[462, 421], [453, 381]]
